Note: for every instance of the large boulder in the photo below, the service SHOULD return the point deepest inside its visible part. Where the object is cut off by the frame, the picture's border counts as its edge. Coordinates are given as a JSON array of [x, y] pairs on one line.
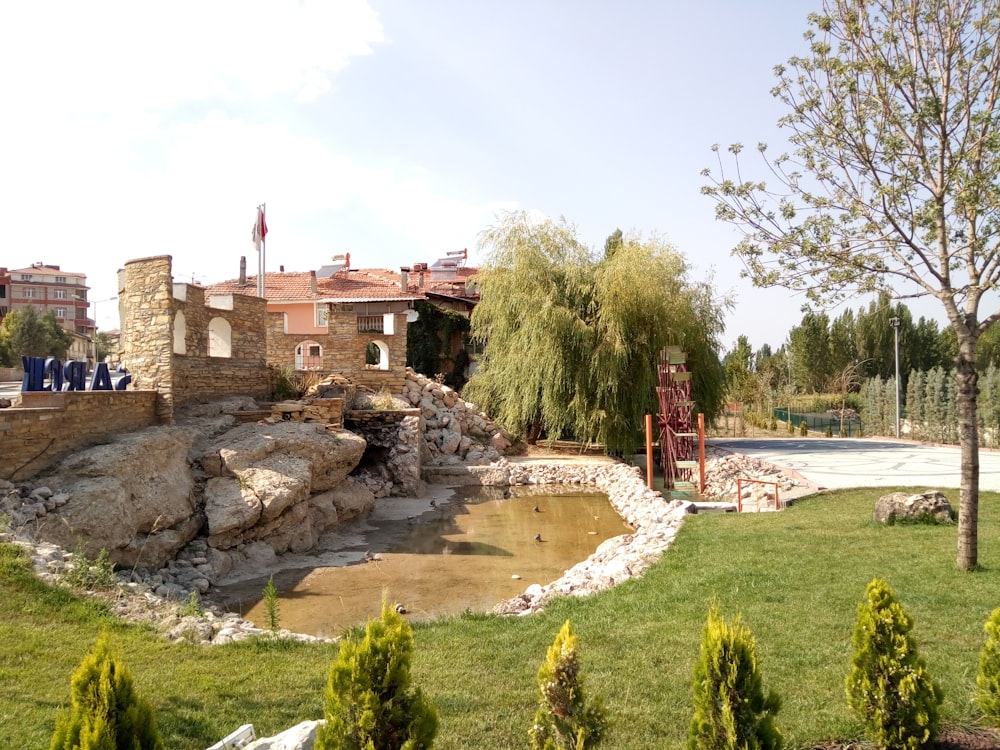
[[282, 484], [132, 496], [899, 506], [330, 454]]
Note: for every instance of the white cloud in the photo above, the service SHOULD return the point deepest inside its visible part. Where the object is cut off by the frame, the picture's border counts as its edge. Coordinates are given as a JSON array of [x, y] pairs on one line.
[[87, 58]]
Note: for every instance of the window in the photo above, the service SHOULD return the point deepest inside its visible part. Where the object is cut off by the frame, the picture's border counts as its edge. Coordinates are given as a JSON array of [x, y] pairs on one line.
[[60, 279], [180, 333], [322, 314], [60, 294], [25, 277], [29, 292], [377, 356], [61, 312], [309, 356], [220, 338]]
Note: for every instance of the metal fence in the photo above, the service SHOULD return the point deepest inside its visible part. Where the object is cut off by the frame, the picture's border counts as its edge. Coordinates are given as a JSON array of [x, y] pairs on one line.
[[820, 422]]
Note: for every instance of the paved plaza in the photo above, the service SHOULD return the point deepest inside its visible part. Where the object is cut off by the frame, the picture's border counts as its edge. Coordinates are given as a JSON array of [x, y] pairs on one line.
[[838, 463]]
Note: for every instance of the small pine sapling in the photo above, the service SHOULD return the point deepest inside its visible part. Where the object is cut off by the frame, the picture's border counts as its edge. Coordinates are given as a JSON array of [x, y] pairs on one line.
[[988, 679], [369, 700], [803, 429], [731, 709], [271, 605], [888, 685], [565, 720], [105, 711]]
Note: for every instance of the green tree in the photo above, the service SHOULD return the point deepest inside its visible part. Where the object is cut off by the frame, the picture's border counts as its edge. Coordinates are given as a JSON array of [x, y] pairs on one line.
[[103, 346], [105, 711], [370, 703], [888, 685], [565, 719], [809, 344], [573, 339], [893, 183], [731, 709], [24, 332]]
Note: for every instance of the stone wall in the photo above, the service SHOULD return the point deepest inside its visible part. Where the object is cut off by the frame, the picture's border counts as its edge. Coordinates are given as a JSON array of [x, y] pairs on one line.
[[48, 425], [391, 464], [454, 429], [145, 301], [160, 317]]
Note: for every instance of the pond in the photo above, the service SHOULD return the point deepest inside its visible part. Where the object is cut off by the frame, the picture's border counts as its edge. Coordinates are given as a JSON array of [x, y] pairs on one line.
[[456, 550]]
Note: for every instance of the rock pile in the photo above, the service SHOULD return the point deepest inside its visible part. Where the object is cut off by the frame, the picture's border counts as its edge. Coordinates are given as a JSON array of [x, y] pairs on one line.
[[455, 430], [724, 469]]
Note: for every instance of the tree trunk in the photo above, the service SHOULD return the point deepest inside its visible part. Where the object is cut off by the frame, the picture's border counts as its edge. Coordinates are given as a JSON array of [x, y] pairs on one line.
[[968, 432]]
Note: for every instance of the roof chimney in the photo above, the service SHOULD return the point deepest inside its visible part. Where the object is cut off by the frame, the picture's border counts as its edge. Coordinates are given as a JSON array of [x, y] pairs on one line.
[[347, 260], [281, 269], [404, 278], [243, 270], [312, 281]]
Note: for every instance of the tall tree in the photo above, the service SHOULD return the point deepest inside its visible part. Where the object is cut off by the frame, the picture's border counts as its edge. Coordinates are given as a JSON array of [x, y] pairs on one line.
[[25, 332], [809, 347], [894, 179], [573, 338]]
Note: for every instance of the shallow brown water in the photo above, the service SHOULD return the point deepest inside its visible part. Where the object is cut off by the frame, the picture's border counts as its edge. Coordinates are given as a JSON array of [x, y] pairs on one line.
[[467, 553]]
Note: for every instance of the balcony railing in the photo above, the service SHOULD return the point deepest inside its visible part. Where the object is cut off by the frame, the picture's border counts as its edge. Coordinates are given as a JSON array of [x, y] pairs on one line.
[[370, 324]]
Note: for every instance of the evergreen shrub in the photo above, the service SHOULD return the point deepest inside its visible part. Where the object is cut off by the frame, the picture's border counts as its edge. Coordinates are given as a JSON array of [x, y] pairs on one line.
[[565, 720], [370, 704], [105, 711], [988, 678], [731, 709], [888, 685]]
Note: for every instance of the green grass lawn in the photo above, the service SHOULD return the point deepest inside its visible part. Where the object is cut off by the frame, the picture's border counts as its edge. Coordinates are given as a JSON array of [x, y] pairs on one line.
[[796, 577]]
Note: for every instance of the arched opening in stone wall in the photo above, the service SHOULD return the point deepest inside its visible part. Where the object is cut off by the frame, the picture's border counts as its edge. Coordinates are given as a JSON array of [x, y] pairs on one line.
[[309, 356], [180, 333], [220, 338], [377, 355]]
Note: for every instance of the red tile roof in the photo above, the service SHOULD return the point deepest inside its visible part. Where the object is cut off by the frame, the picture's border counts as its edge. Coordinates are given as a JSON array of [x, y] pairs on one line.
[[348, 285], [278, 287], [365, 285]]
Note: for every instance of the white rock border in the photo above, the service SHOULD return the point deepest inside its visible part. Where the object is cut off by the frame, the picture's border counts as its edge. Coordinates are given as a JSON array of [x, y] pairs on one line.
[[655, 521]]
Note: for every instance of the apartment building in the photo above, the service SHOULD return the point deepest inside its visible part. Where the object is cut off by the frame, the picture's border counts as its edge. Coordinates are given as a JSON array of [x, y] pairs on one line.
[[48, 288]]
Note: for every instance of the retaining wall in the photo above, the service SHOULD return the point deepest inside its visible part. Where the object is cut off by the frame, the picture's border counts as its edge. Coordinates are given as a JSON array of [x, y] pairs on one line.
[[49, 425]]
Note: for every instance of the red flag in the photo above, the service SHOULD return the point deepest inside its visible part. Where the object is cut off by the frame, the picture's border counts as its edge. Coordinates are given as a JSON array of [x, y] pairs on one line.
[[259, 229]]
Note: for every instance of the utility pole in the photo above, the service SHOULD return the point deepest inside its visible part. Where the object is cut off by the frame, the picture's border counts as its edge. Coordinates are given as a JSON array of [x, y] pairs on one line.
[[894, 322]]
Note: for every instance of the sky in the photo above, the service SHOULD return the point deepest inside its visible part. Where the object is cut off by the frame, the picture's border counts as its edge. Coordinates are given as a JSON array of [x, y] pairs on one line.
[[394, 130]]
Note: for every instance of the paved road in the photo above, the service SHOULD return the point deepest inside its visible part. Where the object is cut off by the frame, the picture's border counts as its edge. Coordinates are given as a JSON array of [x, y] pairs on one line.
[[836, 463]]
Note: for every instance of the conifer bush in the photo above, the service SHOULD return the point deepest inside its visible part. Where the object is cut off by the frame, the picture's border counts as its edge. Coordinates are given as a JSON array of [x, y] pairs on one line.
[[105, 712], [370, 704], [803, 428], [565, 720], [988, 679], [888, 685], [731, 710]]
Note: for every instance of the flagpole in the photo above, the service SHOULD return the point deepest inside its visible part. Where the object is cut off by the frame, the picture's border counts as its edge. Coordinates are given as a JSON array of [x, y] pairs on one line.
[[263, 251], [256, 237]]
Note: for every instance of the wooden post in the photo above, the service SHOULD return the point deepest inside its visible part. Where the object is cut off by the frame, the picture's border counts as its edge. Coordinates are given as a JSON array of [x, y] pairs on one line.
[[649, 451], [701, 453]]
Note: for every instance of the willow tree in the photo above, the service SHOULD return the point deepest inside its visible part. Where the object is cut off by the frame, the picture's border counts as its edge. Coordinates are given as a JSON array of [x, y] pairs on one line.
[[573, 337], [893, 181]]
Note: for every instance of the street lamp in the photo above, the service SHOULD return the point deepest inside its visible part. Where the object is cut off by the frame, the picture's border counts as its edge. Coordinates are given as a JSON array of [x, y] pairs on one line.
[[894, 322], [94, 303]]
